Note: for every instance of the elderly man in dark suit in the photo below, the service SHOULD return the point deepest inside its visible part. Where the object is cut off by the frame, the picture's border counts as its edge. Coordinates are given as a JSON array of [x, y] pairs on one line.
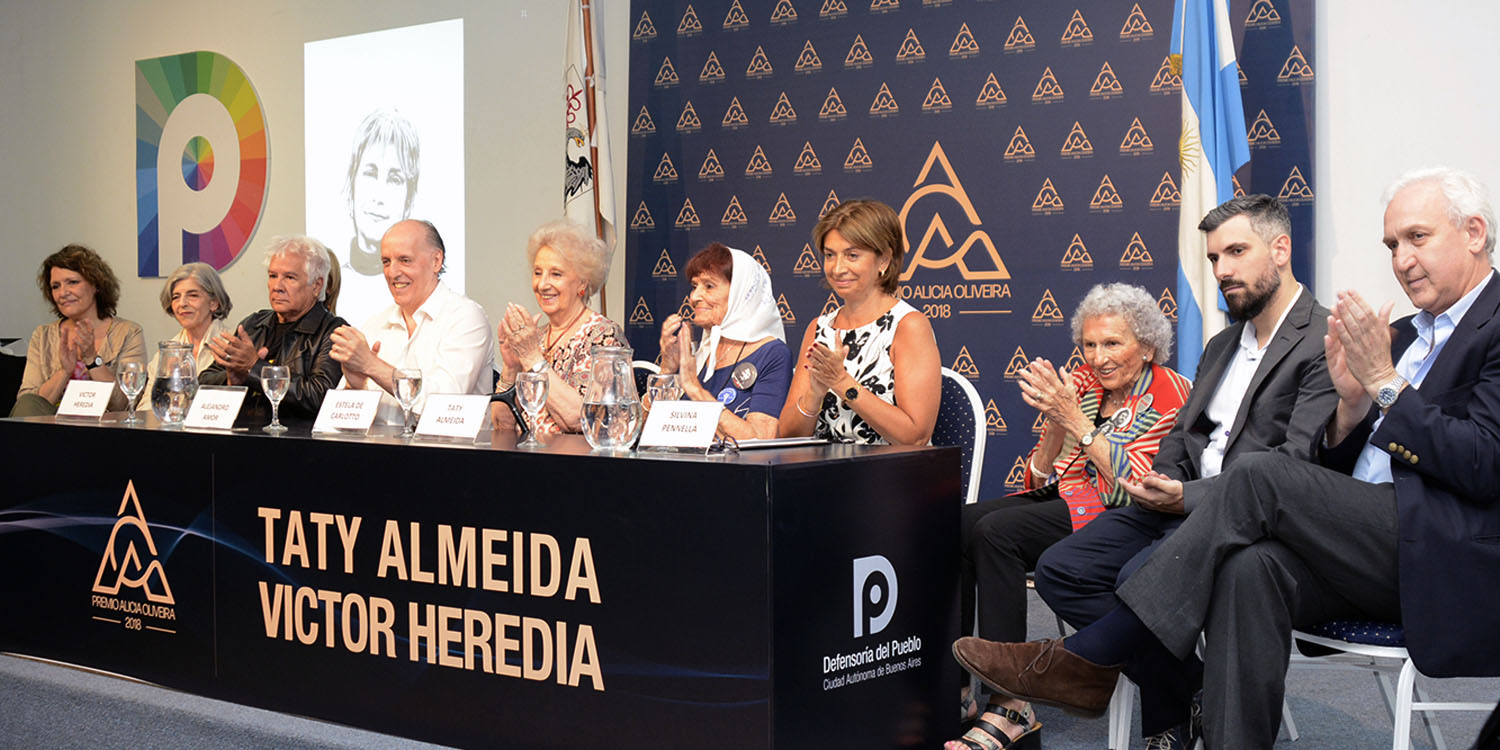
[[1262, 386], [1397, 523]]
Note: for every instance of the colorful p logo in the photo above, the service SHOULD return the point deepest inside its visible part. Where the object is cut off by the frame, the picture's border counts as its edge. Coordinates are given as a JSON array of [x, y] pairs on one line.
[[200, 162]]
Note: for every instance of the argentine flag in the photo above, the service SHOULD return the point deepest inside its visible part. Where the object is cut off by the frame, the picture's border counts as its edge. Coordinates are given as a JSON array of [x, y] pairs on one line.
[[1212, 147]]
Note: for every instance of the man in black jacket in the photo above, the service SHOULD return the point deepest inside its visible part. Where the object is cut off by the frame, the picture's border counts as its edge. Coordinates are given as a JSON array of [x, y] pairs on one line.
[[294, 333]]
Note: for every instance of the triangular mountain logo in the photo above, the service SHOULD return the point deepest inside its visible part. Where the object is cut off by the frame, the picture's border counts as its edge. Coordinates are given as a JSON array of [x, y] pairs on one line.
[[1015, 479], [685, 310], [1136, 255], [642, 218], [689, 25], [1075, 361], [1106, 199], [1136, 26], [884, 104], [760, 65], [735, 19], [688, 121], [807, 263], [665, 172], [994, 423], [1047, 88], [640, 315], [1077, 32], [1019, 149], [734, 215], [1263, 132], [833, 107], [664, 268], [911, 50], [1077, 256], [687, 217], [1047, 312], [990, 94], [666, 75], [859, 54], [643, 123], [808, 61], [734, 117], [1106, 84], [645, 31], [884, 6], [782, 213], [829, 204], [1047, 200], [807, 161], [1168, 304], [785, 310], [782, 113], [713, 71], [1295, 69], [784, 13], [975, 257], [711, 170], [964, 365], [830, 305], [1166, 194], [1019, 39], [759, 256], [1295, 190], [1077, 144], [937, 98], [858, 159], [1239, 192], [833, 9], [964, 44], [1136, 141], [1262, 14], [1166, 81], [130, 557], [1017, 363]]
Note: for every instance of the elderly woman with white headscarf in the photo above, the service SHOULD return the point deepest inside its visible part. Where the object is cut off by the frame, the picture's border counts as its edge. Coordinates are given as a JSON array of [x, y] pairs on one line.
[[743, 361]]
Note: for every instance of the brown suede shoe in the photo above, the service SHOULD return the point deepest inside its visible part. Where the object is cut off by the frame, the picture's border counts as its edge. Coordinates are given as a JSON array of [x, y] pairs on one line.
[[1041, 672]]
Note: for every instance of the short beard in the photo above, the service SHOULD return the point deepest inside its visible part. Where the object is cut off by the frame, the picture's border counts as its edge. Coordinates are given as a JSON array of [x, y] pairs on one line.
[[1257, 299]]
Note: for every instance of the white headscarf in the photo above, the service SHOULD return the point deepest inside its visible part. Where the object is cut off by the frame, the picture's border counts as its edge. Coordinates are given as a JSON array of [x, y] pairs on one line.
[[751, 315]]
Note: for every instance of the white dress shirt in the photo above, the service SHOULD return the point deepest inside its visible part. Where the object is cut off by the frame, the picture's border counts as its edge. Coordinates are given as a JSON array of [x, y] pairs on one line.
[[1231, 391], [452, 345]]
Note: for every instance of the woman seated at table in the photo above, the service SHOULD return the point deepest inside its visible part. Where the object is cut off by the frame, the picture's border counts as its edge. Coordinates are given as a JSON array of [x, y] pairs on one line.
[[568, 265], [1124, 338], [869, 371], [86, 342], [194, 296], [743, 360]]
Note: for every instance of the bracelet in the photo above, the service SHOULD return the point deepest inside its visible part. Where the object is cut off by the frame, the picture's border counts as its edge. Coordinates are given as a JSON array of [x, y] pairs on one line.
[[1034, 472], [798, 402]]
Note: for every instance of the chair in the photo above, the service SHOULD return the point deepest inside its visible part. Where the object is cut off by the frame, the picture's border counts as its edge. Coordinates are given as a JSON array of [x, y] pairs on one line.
[[642, 368], [960, 422], [1381, 648]]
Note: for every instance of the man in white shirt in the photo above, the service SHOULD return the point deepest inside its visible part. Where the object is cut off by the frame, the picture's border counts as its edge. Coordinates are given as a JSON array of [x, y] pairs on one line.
[[1262, 385], [428, 327]]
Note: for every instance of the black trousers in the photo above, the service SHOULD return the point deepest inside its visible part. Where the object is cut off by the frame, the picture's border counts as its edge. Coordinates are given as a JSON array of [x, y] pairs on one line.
[[1278, 543], [1077, 578], [1001, 540]]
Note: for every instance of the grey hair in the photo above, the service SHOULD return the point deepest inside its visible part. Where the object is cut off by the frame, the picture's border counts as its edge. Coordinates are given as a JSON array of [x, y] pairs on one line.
[[314, 256], [1466, 195], [207, 278], [1267, 216], [587, 254], [1136, 306]]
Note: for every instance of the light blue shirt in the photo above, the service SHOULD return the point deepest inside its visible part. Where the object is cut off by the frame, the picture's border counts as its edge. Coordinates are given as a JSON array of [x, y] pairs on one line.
[[1432, 335]]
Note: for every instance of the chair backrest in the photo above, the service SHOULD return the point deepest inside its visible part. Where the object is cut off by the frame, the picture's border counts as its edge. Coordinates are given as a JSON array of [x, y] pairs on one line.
[[642, 368], [960, 422]]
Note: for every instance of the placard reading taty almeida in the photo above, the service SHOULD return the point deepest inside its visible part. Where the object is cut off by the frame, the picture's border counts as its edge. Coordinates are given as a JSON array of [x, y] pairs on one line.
[[498, 560]]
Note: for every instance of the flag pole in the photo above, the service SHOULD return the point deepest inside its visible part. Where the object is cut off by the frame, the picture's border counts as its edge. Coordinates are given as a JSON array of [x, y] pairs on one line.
[[588, 84]]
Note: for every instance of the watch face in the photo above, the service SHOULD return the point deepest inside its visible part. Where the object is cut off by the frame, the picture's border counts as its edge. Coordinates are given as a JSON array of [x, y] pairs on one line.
[[851, 394], [1087, 439], [1386, 397]]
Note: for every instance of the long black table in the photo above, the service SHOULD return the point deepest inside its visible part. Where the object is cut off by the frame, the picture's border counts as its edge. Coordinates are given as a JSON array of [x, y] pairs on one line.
[[489, 596]]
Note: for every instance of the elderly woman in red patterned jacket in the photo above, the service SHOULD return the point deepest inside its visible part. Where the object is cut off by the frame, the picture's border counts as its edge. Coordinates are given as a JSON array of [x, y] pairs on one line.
[[1103, 421]]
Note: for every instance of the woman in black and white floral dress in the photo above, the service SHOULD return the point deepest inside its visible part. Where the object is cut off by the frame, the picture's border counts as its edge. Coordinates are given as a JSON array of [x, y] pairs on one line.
[[868, 372]]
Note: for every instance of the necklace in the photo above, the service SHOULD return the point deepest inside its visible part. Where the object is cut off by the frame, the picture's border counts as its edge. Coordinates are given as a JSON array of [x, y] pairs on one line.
[[551, 342]]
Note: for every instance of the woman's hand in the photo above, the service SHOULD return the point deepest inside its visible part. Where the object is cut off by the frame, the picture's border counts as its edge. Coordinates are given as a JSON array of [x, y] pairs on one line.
[[83, 341], [687, 369], [1051, 392], [510, 364], [67, 353], [825, 367], [524, 334], [672, 330]]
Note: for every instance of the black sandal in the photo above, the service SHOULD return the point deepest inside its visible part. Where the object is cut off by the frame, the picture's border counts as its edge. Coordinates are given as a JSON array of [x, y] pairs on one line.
[[986, 736]]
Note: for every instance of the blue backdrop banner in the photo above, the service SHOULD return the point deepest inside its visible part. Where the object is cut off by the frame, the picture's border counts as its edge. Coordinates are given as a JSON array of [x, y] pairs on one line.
[[1031, 149]]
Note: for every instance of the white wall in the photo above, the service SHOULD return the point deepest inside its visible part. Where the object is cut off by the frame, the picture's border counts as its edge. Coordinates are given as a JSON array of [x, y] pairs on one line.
[[1400, 85], [67, 129]]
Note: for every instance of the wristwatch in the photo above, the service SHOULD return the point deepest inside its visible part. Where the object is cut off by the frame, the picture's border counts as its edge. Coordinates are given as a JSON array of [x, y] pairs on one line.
[[98, 362], [1387, 394], [852, 393], [1087, 439], [539, 367]]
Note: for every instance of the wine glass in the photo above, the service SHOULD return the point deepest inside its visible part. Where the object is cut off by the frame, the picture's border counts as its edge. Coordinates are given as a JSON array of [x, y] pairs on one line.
[[532, 389], [132, 380], [274, 380], [408, 385], [663, 387]]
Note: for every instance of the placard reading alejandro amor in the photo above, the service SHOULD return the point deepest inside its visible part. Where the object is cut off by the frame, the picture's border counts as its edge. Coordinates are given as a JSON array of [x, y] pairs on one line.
[[505, 644]]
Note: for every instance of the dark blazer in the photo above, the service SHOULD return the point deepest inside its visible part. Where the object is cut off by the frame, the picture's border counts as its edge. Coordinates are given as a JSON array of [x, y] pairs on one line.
[[1287, 403], [1444, 441], [306, 351]]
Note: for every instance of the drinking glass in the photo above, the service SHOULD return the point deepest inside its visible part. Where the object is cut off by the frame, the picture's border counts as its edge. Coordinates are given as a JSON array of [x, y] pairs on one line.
[[274, 380], [408, 385], [132, 380], [532, 389], [663, 387]]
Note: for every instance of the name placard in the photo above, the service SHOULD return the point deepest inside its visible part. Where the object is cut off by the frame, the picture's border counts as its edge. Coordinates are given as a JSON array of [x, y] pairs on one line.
[[85, 398], [453, 415], [347, 411], [215, 407], [681, 424]]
